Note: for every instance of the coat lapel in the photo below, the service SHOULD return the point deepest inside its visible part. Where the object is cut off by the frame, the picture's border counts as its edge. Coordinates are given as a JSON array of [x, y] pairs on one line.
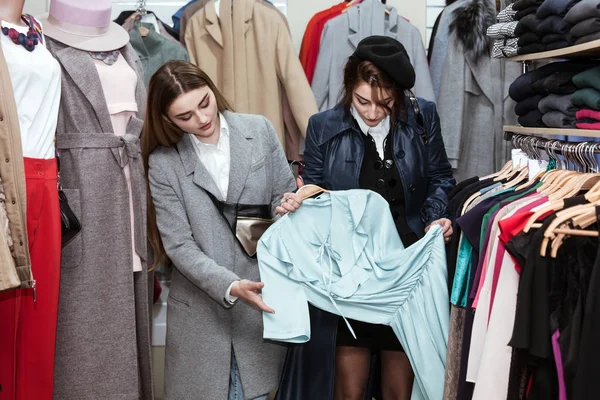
[[366, 20], [391, 27], [354, 26], [240, 159], [212, 21], [192, 165], [481, 70], [249, 7], [80, 67]]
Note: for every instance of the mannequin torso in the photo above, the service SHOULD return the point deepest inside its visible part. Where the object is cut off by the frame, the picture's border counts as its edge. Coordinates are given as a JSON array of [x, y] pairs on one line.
[[35, 76]]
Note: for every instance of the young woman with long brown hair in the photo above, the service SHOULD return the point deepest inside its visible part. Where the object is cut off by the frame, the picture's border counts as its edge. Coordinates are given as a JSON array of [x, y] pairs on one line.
[[379, 138], [200, 157]]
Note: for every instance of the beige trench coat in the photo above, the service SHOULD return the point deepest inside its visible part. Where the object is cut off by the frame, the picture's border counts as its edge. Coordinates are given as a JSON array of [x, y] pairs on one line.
[[249, 55], [15, 264]]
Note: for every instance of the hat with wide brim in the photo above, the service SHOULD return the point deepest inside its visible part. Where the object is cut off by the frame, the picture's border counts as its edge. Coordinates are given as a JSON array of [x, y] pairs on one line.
[[84, 25], [389, 55]]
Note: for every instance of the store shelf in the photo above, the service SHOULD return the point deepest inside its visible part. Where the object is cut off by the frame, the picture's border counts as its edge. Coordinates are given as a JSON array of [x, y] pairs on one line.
[[552, 131], [589, 49]]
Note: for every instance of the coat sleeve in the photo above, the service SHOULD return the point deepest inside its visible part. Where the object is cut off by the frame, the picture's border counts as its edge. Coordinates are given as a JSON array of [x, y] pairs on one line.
[[320, 81], [178, 240], [293, 79], [282, 178], [451, 101], [423, 84], [314, 157], [441, 180], [291, 321]]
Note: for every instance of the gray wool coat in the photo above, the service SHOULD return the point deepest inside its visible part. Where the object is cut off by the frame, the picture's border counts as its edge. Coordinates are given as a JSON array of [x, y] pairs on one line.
[[342, 34], [103, 347], [474, 105], [202, 328]]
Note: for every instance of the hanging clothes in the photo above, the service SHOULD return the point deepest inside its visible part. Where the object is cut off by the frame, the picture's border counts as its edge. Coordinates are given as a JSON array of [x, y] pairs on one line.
[[440, 45], [96, 285], [177, 16], [520, 332], [342, 34], [154, 50], [246, 66], [473, 100], [311, 41], [29, 314], [320, 266], [189, 12], [126, 20]]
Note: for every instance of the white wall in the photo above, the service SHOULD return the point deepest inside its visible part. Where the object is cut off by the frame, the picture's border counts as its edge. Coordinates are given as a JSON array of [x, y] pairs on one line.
[[36, 7]]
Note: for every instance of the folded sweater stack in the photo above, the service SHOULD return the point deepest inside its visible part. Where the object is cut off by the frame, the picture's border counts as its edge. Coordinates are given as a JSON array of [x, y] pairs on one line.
[[503, 33], [544, 96], [587, 99], [585, 20]]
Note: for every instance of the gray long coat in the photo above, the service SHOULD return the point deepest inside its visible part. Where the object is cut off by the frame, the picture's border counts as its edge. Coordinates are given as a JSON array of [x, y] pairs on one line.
[[474, 105], [201, 326], [103, 348], [342, 34]]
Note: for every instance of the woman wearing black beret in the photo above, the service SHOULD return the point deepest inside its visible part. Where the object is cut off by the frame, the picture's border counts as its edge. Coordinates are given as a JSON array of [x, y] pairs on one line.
[[379, 137]]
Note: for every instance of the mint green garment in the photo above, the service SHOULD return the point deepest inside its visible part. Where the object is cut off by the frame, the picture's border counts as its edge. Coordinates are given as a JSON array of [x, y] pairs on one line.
[[460, 286], [341, 252]]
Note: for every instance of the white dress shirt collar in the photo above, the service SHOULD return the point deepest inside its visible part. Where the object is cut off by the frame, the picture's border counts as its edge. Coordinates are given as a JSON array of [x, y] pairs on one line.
[[379, 132], [216, 158]]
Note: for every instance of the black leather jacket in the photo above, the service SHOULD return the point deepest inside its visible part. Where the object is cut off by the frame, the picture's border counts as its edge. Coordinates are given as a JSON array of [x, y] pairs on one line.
[[334, 154]]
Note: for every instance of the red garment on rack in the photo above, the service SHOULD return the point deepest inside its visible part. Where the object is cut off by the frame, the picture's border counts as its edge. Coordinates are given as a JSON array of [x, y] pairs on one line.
[[311, 42]]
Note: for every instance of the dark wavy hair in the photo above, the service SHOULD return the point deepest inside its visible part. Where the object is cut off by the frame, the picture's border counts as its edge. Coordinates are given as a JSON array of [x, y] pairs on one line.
[[358, 71]]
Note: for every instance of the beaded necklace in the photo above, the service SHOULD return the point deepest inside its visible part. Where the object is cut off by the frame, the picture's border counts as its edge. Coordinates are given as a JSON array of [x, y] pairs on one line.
[[28, 40]]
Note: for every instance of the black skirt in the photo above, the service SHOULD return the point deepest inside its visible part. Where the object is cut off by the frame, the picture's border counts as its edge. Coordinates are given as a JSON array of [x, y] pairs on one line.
[[370, 336]]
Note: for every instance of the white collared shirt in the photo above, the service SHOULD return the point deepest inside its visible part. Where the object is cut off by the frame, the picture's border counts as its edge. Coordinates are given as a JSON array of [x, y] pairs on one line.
[[379, 132], [216, 158]]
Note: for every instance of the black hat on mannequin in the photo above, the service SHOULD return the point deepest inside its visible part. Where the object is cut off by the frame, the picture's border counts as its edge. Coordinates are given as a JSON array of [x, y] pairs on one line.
[[390, 56]]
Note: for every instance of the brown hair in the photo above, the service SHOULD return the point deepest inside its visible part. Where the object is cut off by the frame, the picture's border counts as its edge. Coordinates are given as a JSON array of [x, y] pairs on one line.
[[169, 82], [358, 71]]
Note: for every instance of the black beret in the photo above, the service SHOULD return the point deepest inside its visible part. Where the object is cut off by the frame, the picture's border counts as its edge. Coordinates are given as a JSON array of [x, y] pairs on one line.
[[390, 56]]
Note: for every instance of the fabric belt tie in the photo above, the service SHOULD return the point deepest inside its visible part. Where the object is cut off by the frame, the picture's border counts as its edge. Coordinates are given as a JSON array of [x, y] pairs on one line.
[[327, 253], [130, 144]]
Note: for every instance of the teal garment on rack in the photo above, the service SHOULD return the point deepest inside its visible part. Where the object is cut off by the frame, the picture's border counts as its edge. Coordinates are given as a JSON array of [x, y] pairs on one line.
[[341, 252]]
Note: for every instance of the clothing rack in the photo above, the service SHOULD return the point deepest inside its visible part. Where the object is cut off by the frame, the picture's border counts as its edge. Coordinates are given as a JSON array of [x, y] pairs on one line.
[[577, 153]]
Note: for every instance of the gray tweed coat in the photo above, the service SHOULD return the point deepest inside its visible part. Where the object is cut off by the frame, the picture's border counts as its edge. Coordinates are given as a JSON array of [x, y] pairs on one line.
[[202, 328], [103, 347]]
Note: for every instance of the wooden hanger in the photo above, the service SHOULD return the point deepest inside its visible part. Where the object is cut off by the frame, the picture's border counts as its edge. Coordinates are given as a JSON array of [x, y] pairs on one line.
[[505, 168], [310, 190], [584, 220], [555, 203], [562, 217], [522, 176], [576, 185]]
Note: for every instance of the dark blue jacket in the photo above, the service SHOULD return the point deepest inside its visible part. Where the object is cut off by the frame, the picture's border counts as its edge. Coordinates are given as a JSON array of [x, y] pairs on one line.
[[335, 150]]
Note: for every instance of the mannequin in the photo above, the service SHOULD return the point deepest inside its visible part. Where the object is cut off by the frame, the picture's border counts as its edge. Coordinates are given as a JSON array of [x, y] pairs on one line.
[[29, 314], [104, 312]]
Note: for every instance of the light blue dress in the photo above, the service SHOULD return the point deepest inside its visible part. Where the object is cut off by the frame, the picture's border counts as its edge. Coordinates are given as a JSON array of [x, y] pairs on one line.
[[341, 252]]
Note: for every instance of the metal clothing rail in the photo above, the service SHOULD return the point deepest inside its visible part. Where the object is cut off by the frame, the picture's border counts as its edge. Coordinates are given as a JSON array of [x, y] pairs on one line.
[[578, 153]]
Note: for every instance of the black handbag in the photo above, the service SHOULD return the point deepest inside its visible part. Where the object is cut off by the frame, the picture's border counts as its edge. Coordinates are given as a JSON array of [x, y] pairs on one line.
[[247, 222], [70, 225]]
